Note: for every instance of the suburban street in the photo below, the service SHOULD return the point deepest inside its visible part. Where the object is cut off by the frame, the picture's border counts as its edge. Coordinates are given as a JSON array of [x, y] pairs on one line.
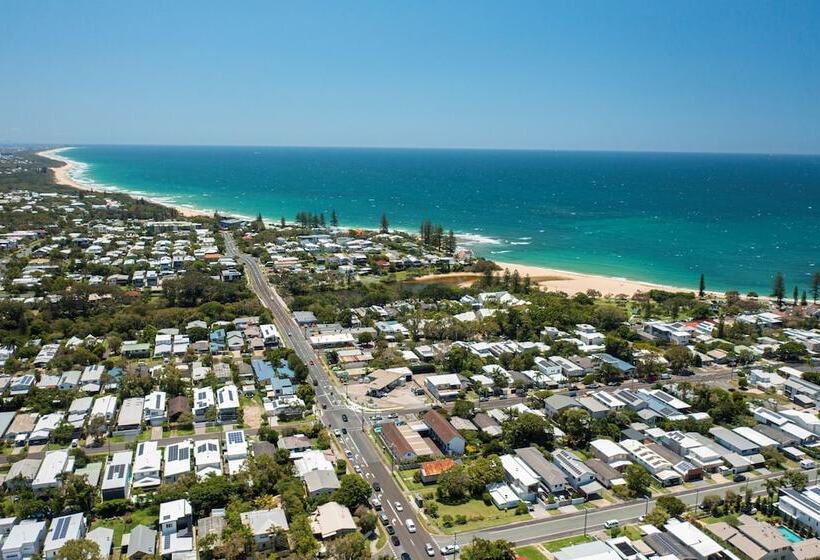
[[332, 410]]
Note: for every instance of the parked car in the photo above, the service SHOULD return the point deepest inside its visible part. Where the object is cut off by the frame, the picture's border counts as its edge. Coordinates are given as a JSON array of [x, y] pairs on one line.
[[376, 486], [390, 530], [739, 478], [395, 540], [611, 524], [450, 549]]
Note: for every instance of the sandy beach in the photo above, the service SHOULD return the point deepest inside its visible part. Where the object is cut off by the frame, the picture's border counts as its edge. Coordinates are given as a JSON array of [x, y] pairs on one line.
[[574, 282], [62, 176], [551, 279]]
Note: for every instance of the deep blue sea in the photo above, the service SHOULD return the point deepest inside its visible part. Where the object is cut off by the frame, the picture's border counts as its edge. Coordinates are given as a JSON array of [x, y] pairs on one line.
[[657, 217]]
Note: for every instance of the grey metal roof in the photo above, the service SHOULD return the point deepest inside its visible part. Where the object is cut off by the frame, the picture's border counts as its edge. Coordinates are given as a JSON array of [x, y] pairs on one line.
[[545, 470], [143, 539]]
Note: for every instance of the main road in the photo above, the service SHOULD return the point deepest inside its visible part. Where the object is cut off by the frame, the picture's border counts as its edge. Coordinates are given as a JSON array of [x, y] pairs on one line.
[[336, 414]]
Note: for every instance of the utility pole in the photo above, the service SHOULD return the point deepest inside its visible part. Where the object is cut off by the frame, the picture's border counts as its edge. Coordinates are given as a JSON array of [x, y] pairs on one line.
[[586, 512]]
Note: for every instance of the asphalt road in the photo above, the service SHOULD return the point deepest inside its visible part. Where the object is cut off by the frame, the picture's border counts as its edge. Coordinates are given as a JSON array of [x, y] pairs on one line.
[[332, 409], [593, 519]]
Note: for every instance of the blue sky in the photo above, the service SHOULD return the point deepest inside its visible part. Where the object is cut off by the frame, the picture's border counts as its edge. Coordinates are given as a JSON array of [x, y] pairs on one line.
[[687, 76]]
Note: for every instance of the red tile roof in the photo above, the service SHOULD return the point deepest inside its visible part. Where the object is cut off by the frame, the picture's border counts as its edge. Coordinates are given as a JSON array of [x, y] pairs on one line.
[[435, 468]]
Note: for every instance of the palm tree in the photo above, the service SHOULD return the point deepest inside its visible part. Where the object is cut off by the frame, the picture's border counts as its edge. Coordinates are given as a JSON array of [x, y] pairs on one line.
[[772, 487]]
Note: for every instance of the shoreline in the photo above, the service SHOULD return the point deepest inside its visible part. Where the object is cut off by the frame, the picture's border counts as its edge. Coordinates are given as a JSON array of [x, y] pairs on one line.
[[557, 280], [62, 176], [544, 277]]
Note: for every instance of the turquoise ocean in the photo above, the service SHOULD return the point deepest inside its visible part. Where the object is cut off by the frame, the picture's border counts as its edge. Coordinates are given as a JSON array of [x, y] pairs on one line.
[[656, 217]]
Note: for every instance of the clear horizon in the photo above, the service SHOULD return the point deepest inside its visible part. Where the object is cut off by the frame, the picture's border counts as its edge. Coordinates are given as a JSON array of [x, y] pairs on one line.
[[728, 78], [50, 146]]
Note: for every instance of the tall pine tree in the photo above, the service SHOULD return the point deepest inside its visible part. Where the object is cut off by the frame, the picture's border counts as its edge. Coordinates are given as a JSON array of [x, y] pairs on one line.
[[779, 288]]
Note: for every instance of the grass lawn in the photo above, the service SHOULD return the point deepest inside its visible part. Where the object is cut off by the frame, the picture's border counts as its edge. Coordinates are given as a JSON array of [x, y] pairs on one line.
[[489, 516], [631, 532], [556, 545], [412, 485], [731, 519], [179, 432], [145, 516], [530, 553]]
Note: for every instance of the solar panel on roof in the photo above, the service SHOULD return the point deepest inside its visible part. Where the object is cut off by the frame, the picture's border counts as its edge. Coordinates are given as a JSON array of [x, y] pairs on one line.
[[173, 453], [62, 528], [140, 449], [236, 437], [167, 539], [663, 396]]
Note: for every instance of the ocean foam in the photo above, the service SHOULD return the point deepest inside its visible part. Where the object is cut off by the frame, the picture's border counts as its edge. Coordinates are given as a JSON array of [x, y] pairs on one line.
[[476, 239]]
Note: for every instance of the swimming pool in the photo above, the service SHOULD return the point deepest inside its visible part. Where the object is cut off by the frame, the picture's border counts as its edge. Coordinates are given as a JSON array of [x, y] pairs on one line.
[[790, 535]]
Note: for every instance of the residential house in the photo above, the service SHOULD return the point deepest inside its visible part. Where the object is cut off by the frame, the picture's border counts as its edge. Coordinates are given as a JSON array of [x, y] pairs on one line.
[[177, 461], [320, 482], [117, 476], [154, 408], [551, 478], [577, 473], [142, 543], [236, 451], [129, 420], [207, 458], [24, 540], [54, 465], [62, 530], [332, 520], [262, 522], [146, 470], [227, 403], [443, 433]]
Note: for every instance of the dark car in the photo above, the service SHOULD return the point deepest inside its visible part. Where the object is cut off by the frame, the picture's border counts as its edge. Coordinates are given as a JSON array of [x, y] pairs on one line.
[[377, 487], [405, 556], [739, 478], [390, 530], [344, 430], [344, 417], [395, 540]]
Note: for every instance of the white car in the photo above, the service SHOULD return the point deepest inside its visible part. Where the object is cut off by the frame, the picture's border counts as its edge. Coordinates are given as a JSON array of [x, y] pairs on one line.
[[450, 549], [398, 505], [349, 454], [337, 432], [430, 550], [358, 469]]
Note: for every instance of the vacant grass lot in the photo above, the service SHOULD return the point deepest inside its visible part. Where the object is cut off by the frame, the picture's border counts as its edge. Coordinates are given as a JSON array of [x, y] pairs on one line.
[[473, 510], [121, 525], [556, 545], [530, 553]]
